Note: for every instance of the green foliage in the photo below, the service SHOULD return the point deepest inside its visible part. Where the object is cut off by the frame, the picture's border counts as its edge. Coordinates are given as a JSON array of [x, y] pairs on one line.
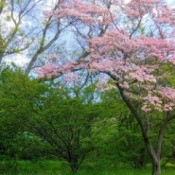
[[168, 73], [86, 128], [15, 107], [2, 3], [59, 168]]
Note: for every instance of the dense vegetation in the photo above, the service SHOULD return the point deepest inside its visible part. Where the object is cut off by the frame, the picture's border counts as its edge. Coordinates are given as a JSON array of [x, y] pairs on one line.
[[70, 129]]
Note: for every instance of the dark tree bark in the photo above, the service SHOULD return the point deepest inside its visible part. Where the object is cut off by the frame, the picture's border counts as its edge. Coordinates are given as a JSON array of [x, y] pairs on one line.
[[154, 153]]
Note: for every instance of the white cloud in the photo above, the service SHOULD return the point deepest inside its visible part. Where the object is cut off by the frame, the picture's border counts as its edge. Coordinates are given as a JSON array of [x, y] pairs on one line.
[[171, 3]]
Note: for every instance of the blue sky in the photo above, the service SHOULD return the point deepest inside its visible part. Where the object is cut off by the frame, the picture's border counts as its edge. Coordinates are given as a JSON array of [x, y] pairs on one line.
[[21, 59]]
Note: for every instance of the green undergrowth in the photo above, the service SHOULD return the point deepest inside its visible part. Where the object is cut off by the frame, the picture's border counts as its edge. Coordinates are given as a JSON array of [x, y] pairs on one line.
[[60, 168]]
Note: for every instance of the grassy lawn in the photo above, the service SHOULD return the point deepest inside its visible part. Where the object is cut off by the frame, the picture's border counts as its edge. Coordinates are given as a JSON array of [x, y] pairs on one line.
[[57, 168]]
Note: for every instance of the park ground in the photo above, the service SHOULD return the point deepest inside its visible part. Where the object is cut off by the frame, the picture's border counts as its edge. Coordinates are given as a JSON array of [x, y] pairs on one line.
[[47, 167]]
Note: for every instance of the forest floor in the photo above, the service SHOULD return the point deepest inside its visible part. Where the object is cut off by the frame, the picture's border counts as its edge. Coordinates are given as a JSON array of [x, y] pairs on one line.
[[57, 168]]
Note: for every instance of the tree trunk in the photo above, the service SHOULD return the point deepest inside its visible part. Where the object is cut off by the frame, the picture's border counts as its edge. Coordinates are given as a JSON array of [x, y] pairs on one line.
[[155, 158], [153, 153], [156, 169], [31, 63], [74, 166], [1, 56]]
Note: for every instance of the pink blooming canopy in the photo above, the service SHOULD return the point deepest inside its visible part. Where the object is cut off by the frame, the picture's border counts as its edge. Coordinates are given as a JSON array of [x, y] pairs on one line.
[[132, 42]]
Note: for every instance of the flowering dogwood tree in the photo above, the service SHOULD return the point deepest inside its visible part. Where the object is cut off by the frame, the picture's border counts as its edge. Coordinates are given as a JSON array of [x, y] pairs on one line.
[[133, 43]]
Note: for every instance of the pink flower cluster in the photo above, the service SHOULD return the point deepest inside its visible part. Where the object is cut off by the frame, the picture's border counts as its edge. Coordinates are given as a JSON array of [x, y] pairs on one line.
[[131, 46]]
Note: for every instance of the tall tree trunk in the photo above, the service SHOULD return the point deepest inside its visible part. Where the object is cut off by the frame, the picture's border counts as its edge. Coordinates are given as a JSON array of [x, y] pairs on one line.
[[156, 169], [153, 153], [155, 159]]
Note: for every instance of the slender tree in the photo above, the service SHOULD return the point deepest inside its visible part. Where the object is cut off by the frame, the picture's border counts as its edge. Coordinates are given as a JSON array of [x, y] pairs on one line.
[[26, 30]]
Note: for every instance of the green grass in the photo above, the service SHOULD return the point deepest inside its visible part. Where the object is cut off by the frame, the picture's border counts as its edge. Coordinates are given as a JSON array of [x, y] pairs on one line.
[[58, 168]]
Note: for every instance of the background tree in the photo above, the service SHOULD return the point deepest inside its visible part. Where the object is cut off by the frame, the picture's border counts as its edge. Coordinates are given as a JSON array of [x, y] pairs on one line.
[[60, 120], [15, 109], [25, 30]]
